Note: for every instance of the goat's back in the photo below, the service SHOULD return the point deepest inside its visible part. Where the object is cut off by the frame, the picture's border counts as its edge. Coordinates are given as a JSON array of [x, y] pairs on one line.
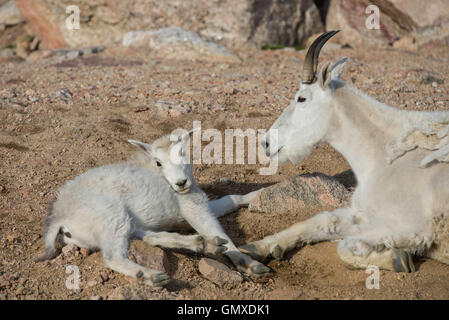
[[120, 190]]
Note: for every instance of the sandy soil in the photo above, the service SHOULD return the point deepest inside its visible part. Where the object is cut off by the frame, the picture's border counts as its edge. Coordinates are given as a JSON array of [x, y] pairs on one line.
[[46, 138]]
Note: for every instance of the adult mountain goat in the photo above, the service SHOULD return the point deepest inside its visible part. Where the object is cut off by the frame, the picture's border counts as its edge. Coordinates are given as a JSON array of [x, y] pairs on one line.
[[154, 193], [401, 203]]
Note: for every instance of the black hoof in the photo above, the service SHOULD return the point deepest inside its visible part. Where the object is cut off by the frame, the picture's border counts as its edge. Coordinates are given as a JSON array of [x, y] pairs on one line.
[[403, 262], [251, 250]]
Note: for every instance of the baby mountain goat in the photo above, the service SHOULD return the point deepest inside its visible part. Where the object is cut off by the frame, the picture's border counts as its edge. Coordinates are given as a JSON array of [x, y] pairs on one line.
[[106, 207], [400, 207]]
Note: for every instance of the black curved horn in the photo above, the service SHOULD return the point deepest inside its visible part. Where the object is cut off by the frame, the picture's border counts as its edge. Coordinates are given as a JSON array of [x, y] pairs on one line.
[[311, 61]]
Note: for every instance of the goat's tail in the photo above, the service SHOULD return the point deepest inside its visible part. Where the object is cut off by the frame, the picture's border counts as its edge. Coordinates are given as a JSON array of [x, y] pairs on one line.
[[52, 230]]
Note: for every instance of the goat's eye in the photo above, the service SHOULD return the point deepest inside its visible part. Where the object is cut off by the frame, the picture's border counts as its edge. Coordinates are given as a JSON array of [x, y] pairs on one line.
[[158, 164], [301, 99]]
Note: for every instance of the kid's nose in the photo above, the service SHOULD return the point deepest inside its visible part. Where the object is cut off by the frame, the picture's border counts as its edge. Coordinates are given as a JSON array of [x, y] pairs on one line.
[[181, 183]]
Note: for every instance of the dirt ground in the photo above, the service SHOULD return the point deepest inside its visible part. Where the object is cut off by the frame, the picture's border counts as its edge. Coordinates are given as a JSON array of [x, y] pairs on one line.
[[47, 138]]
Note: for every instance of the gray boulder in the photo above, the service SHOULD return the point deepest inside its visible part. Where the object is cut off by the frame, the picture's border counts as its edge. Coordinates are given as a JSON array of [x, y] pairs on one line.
[[303, 191]]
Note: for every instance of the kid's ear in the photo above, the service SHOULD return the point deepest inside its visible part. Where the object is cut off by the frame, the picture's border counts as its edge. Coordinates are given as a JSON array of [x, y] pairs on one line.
[[145, 147], [185, 136], [190, 133]]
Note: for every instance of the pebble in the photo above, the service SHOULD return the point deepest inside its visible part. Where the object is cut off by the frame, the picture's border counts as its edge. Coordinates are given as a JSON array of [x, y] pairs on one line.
[[219, 273], [64, 92], [69, 250], [225, 180], [91, 283]]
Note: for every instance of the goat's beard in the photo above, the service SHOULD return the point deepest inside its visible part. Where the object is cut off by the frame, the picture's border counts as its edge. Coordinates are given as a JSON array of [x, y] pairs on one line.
[[296, 156]]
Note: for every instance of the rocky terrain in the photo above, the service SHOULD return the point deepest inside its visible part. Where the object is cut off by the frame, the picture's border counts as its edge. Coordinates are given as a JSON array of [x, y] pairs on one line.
[[71, 107]]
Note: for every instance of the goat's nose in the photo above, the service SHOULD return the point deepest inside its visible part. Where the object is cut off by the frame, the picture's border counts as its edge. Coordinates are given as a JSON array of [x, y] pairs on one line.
[[265, 144], [181, 183]]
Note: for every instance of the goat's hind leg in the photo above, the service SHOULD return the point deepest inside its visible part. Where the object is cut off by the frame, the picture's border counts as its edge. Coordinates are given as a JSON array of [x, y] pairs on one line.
[[172, 240], [115, 257], [324, 226], [397, 260]]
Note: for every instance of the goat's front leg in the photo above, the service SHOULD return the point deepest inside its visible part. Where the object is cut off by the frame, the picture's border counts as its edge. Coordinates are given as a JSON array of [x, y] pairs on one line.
[[324, 226], [231, 203], [172, 240], [208, 226]]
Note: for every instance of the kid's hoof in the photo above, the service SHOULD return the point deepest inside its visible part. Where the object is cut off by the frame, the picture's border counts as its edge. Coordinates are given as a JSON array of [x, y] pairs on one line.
[[277, 252], [219, 241], [251, 250], [160, 279], [402, 261], [260, 270], [216, 245], [220, 250]]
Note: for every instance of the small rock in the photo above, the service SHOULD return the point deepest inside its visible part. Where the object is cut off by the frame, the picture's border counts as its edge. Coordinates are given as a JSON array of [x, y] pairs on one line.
[[141, 109], [34, 44], [225, 180], [69, 250], [91, 283], [96, 298], [303, 191], [151, 257], [64, 92], [167, 108], [9, 14], [407, 43], [219, 273], [230, 90]]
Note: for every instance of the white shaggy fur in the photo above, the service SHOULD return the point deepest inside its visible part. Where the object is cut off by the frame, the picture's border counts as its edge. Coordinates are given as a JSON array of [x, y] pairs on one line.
[[154, 193], [398, 158]]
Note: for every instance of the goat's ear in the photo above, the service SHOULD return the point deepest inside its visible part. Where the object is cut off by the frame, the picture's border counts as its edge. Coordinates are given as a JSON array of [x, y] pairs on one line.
[[141, 145], [324, 77], [188, 135], [338, 68]]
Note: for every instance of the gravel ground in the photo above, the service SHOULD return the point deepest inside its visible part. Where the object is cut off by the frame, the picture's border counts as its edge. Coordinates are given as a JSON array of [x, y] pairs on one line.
[[59, 118]]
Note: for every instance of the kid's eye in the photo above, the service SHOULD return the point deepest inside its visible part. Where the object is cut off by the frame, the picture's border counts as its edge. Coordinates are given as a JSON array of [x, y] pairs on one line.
[[158, 164], [301, 99]]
